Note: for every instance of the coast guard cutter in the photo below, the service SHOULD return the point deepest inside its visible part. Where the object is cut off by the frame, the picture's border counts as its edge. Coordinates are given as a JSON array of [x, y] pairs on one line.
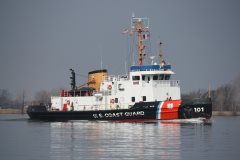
[[146, 93]]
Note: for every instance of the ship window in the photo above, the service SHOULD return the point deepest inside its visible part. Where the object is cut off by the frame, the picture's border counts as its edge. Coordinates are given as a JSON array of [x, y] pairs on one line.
[[161, 77], [143, 78], [167, 76], [135, 78], [133, 99], [155, 77], [116, 100], [144, 98], [148, 78]]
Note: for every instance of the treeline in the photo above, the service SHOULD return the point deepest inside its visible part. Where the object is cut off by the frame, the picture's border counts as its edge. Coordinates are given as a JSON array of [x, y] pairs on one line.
[[25, 98], [224, 98], [6, 100]]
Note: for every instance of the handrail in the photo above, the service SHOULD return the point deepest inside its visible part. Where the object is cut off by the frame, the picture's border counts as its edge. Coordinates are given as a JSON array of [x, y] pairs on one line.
[[171, 83], [116, 78]]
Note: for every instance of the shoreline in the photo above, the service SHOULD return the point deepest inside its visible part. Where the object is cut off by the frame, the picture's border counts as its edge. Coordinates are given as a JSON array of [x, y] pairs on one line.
[[225, 113], [10, 111], [214, 113]]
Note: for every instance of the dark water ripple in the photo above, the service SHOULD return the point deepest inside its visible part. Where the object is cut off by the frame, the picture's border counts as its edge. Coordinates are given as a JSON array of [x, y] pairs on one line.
[[23, 139]]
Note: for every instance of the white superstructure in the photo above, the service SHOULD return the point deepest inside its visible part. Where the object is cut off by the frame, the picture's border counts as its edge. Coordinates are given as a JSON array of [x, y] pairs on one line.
[[143, 84]]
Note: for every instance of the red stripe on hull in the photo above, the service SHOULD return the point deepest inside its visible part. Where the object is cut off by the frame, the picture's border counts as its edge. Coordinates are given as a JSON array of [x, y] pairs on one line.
[[169, 109]]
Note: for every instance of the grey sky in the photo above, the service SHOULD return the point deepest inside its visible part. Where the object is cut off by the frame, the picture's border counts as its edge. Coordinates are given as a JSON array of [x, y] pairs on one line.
[[41, 39]]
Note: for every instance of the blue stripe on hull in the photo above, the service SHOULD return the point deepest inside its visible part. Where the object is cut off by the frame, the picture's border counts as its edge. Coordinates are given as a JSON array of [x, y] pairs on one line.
[[158, 110]]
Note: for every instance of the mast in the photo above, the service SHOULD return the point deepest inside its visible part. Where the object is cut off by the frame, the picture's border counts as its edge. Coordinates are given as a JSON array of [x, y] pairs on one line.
[[23, 102], [73, 80], [141, 27], [209, 91], [162, 62]]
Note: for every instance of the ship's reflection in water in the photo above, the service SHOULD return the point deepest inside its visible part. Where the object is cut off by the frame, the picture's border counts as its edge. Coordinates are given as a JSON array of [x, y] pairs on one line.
[[107, 140]]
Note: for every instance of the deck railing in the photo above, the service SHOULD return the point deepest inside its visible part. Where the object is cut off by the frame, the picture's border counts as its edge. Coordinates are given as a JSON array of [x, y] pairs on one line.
[[117, 78], [167, 83]]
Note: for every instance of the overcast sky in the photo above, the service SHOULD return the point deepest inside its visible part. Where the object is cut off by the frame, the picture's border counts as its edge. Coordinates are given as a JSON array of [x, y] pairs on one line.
[[41, 39]]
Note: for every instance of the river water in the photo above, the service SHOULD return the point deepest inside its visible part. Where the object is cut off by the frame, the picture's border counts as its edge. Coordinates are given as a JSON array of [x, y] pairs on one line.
[[23, 139]]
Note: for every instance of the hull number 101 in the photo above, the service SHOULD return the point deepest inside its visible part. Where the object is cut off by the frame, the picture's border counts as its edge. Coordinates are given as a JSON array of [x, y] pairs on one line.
[[199, 109]]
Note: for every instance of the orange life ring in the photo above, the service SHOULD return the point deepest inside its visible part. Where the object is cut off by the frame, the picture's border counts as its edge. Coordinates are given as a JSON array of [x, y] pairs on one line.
[[109, 87], [112, 101]]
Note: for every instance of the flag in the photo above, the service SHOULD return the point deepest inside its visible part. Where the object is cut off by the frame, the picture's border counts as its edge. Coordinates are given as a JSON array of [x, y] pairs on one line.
[[146, 36], [130, 33], [125, 31]]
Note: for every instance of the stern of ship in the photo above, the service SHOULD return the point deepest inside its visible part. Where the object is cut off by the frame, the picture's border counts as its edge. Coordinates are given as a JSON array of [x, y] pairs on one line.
[[197, 108]]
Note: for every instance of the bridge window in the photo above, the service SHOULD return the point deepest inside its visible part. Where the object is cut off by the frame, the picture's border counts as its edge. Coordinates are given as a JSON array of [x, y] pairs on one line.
[[135, 78], [149, 78], [167, 76], [161, 77], [155, 77], [143, 77]]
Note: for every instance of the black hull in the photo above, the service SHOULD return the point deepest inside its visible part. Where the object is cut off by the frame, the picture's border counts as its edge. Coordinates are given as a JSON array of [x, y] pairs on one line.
[[146, 111]]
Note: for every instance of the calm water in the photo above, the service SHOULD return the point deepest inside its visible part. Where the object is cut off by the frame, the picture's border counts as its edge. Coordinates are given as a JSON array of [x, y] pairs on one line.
[[22, 139]]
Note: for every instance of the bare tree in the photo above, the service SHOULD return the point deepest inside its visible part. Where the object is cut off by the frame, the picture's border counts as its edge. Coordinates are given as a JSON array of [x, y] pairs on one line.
[[224, 98], [236, 94], [5, 98], [43, 97]]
